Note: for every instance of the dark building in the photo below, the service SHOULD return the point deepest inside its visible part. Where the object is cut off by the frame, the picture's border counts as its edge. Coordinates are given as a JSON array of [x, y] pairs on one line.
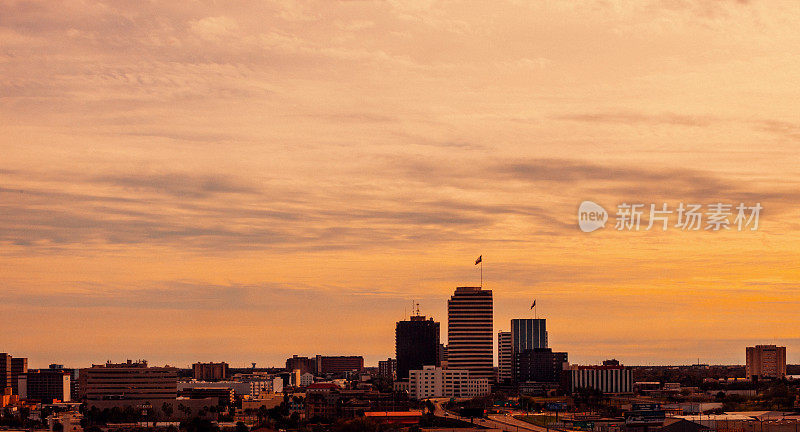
[[339, 364], [305, 364], [612, 362], [224, 395], [45, 385], [538, 365], [416, 345], [5, 371], [388, 368], [528, 333], [210, 371], [470, 332], [10, 370]]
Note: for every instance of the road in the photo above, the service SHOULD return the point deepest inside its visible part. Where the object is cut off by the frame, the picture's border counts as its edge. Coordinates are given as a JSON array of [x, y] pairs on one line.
[[505, 423]]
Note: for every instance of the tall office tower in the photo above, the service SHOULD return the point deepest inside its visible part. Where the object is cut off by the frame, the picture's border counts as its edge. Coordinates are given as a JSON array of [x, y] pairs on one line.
[[416, 345], [528, 334], [10, 370], [19, 366], [5, 371], [765, 361], [504, 357], [470, 332]]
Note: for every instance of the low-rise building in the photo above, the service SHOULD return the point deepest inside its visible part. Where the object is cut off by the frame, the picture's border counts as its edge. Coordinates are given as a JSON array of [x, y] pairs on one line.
[[432, 381]]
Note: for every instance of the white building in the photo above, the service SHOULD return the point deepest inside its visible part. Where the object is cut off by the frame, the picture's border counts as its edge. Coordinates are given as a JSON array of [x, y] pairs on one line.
[[432, 381], [306, 379]]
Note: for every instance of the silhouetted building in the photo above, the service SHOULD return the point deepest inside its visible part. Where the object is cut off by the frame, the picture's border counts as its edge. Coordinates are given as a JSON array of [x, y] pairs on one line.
[[612, 362], [470, 335], [339, 364], [765, 361], [303, 364], [416, 344], [538, 365], [388, 368], [45, 385], [607, 379], [504, 357], [210, 371], [10, 370]]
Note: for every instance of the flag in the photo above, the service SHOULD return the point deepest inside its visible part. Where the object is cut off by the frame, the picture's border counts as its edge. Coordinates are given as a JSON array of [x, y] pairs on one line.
[[533, 305], [479, 260]]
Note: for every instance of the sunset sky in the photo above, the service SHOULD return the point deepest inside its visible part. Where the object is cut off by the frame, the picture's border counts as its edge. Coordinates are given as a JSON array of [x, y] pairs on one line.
[[243, 181]]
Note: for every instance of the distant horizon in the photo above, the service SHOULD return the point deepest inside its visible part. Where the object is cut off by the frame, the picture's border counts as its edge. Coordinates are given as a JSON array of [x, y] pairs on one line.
[[245, 179]]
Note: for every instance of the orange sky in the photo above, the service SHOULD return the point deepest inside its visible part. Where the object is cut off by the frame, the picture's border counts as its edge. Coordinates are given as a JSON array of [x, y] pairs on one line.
[[203, 181]]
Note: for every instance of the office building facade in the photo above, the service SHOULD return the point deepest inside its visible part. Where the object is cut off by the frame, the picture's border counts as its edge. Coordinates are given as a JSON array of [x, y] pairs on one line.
[[606, 379], [538, 365], [432, 381], [765, 361], [504, 357], [132, 381], [45, 385], [470, 334], [210, 371], [416, 344], [528, 333]]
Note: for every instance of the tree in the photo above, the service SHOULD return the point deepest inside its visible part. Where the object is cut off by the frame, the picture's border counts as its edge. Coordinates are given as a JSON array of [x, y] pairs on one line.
[[167, 409]]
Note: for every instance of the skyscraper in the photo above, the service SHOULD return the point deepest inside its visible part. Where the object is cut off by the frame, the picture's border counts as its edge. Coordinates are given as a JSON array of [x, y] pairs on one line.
[[416, 345], [528, 334], [504, 356], [470, 332]]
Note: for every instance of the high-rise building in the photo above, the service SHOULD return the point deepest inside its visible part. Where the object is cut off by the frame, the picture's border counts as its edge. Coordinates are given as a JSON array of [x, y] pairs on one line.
[[45, 385], [10, 370], [5, 371], [538, 365], [504, 357], [765, 361], [416, 344], [210, 371], [470, 332], [528, 333]]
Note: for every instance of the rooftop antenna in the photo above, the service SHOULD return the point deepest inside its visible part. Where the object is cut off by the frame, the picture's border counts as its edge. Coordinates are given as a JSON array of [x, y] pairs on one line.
[[417, 310]]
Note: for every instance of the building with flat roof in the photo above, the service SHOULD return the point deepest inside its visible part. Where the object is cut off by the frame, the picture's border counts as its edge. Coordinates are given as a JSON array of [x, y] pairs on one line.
[[432, 381], [607, 379], [504, 357], [528, 333], [416, 344], [210, 371], [470, 334], [10, 370], [128, 383], [45, 385], [765, 361], [538, 365]]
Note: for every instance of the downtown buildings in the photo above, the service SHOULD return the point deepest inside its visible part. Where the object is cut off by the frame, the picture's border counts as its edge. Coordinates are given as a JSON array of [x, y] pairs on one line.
[[470, 344]]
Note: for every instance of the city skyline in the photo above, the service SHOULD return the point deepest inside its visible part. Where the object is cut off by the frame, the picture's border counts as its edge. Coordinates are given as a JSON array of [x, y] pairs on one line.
[[187, 181]]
